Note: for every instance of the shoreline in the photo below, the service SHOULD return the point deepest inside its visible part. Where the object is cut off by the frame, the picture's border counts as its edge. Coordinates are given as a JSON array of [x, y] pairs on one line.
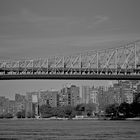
[[75, 119]]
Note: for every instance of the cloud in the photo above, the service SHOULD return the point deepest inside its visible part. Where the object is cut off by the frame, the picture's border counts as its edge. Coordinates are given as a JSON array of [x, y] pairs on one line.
[[28, 16], [45, 47], [101, 19], [97, 20]]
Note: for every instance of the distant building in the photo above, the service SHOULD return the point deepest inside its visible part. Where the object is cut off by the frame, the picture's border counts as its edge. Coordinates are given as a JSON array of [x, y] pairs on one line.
[[127, 91], [85, 94], [12, 107], [118, 93], [20, 102], [43, 98], [74, 95], [69, 95], [64, 96], [103, 98], [93, 96], [4, 103], [32, 103], [7, 106], [53, 98], [49, 97]]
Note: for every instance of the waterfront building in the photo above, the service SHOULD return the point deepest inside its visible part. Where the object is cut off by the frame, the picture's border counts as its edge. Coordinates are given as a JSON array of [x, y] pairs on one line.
[[74, 95], [127, 90], [103, 98], [93, 96], [32, 103], [43, 97], [12, 107], [53, 98], [86, 94], [118, 94], [64, 96], [69, 95], [4, 105], [20, 102], [50, 97], [7, 106]]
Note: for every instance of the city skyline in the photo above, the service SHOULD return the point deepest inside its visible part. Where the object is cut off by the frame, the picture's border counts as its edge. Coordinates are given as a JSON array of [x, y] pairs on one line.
[[10, 88], [70, 95]]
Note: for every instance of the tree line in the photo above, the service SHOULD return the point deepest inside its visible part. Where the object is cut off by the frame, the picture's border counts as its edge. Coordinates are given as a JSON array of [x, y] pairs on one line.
[[46, 111], [113, 111], [124, 110]]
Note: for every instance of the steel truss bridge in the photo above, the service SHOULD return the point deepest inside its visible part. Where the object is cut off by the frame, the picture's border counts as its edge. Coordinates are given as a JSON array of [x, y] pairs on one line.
[[115, 63]]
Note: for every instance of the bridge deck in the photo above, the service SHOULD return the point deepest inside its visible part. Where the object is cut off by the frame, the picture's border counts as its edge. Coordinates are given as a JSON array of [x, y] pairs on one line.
[[69, 77]]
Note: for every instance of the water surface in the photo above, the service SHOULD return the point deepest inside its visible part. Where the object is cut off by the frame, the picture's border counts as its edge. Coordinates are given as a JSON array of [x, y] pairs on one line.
[[69, 130]]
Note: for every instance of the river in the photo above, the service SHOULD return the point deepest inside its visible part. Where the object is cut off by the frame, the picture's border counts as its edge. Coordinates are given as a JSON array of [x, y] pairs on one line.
[[69, 130]]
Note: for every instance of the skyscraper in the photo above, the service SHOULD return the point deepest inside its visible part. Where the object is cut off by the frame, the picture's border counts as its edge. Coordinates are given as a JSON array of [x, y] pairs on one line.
[[75, 95], [85, 94]]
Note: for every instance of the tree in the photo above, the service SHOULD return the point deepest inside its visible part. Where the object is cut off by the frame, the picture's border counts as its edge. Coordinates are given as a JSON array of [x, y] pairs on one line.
[[58, 112], [45, 111], [112, 110], [1, 116], [85, 108], [89, 108], [8, 115], [80, 108], [30, 115], [135, 107], [69, 112], [20, 114], [125, 109]]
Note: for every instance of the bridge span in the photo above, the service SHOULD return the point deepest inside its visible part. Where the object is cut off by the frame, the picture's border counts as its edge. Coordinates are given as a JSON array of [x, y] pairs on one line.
[[121, 63], [69, 77]]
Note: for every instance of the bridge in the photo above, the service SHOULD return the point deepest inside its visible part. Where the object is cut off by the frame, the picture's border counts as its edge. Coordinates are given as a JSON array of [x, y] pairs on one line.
[[121, 63]]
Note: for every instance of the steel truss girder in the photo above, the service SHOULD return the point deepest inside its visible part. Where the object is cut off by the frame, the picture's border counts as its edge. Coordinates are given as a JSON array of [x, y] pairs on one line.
[[109, 61]]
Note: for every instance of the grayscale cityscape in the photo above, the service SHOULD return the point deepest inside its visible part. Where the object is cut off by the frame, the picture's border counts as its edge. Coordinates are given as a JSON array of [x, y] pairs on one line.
[[98, 99], [69, 69]]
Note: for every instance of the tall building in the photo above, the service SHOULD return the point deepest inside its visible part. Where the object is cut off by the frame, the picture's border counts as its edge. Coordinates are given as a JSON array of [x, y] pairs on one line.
[[12, 107], [49, 97], [121, 92], [118, 93], [74, 95], [85, 94], [32, 103], [20, 102], [93, 96], [7, 106], [43, 98], [102, 97], [69, 95], [64, 96], [127, 91], [4, 103]]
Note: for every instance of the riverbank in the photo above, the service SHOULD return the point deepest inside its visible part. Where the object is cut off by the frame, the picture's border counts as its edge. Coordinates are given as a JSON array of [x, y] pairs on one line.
[[53, 118]]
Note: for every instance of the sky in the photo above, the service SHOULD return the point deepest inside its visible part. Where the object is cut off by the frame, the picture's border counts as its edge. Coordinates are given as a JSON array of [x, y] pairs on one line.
[[42, 28]]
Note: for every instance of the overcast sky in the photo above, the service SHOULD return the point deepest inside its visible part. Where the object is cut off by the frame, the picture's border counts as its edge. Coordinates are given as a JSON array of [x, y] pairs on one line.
[[42, 28]]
